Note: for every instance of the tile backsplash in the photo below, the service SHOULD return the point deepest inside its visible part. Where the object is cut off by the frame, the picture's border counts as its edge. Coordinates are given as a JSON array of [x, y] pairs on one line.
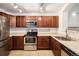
[[43, 30]]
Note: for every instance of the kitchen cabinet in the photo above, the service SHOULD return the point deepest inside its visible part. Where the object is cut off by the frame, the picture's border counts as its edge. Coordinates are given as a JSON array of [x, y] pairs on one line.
[[44, 22], [55, 47], [12, 21], [54, 21], [31, 17], [18, 42], [20, 21], [48, 21], [43, 42], [10, 43]]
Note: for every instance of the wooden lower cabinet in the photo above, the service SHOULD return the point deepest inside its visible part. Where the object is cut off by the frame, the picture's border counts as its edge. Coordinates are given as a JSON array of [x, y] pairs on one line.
[[55, 47], [18, 42], [43, 42], [10, 43]]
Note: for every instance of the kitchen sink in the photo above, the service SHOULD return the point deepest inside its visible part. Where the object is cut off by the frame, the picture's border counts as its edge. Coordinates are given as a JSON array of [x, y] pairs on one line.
[[63, 38]]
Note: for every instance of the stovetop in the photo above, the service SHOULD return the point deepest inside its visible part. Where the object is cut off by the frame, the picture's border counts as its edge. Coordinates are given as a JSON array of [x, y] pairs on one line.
[[31, 34]]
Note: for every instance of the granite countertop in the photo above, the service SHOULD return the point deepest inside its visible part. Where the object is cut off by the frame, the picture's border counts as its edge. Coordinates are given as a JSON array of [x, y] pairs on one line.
[[72, 45]]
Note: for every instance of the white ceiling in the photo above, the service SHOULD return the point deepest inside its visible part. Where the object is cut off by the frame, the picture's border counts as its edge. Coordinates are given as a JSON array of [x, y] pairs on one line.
[[35, 7], [32, 7]]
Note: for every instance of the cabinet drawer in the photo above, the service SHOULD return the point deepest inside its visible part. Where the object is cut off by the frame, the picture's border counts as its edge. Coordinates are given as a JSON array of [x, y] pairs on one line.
[[41, 38]]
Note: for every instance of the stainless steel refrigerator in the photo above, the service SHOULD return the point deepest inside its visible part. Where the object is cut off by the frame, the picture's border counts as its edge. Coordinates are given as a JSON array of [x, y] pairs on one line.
[[4, 34]]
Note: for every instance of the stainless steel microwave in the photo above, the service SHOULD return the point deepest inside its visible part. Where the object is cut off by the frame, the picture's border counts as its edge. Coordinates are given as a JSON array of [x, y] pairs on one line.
[[31, 24]]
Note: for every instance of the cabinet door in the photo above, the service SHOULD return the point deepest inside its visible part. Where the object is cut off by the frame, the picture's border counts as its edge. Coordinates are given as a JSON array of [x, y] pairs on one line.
[[54, 21], [51, 44], [40, 21], [31, 17], [43, 38], [10, 43], [43, 42], [18, 42], [20, 21], [44, 22], [12, 21], [55, 47], [43, 45]]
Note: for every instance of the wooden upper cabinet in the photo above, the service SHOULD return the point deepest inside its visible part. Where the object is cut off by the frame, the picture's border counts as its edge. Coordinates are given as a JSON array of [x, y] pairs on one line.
[[31, 17], [20, 21], [40, 21], [55, 21], [44, 21], [48, 21], [12, 21]]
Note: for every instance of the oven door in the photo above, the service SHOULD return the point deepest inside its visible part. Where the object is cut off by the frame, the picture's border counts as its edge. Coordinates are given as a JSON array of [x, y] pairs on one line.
[[30, 40]]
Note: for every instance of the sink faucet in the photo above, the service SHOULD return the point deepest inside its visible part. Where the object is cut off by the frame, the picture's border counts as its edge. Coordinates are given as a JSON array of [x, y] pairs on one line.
[[67, 36]]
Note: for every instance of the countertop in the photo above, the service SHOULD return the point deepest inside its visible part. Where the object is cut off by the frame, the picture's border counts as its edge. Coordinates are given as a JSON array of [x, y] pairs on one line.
[[72, 45]]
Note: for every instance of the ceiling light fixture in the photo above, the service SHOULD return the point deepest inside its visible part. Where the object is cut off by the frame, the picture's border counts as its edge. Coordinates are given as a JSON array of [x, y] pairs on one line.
[[20, 10], [15, 6]]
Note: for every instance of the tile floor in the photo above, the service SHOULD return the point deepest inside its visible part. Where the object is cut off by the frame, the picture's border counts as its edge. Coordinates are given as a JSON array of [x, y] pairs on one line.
[[31, 53]]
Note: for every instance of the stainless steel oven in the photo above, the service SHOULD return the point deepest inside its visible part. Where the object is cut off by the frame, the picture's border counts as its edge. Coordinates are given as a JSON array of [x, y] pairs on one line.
[[30, 43]]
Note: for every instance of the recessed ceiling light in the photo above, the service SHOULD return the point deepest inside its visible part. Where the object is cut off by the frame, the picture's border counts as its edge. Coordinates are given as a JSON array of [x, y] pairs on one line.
[[15, 6], [74, 14]]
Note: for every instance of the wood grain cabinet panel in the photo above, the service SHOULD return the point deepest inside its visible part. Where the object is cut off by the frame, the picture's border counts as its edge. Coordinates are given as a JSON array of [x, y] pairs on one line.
[[43, 45], [40, 21], [48, 21], [43, 42], [55, 21], [18, 42], [31, 17], [44, 22], [12, 21], [20, 21], [55, 47], [10, 43]]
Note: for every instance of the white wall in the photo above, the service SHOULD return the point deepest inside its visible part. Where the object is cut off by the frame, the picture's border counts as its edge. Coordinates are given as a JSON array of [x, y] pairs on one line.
[[73, 20], [63, 21]]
